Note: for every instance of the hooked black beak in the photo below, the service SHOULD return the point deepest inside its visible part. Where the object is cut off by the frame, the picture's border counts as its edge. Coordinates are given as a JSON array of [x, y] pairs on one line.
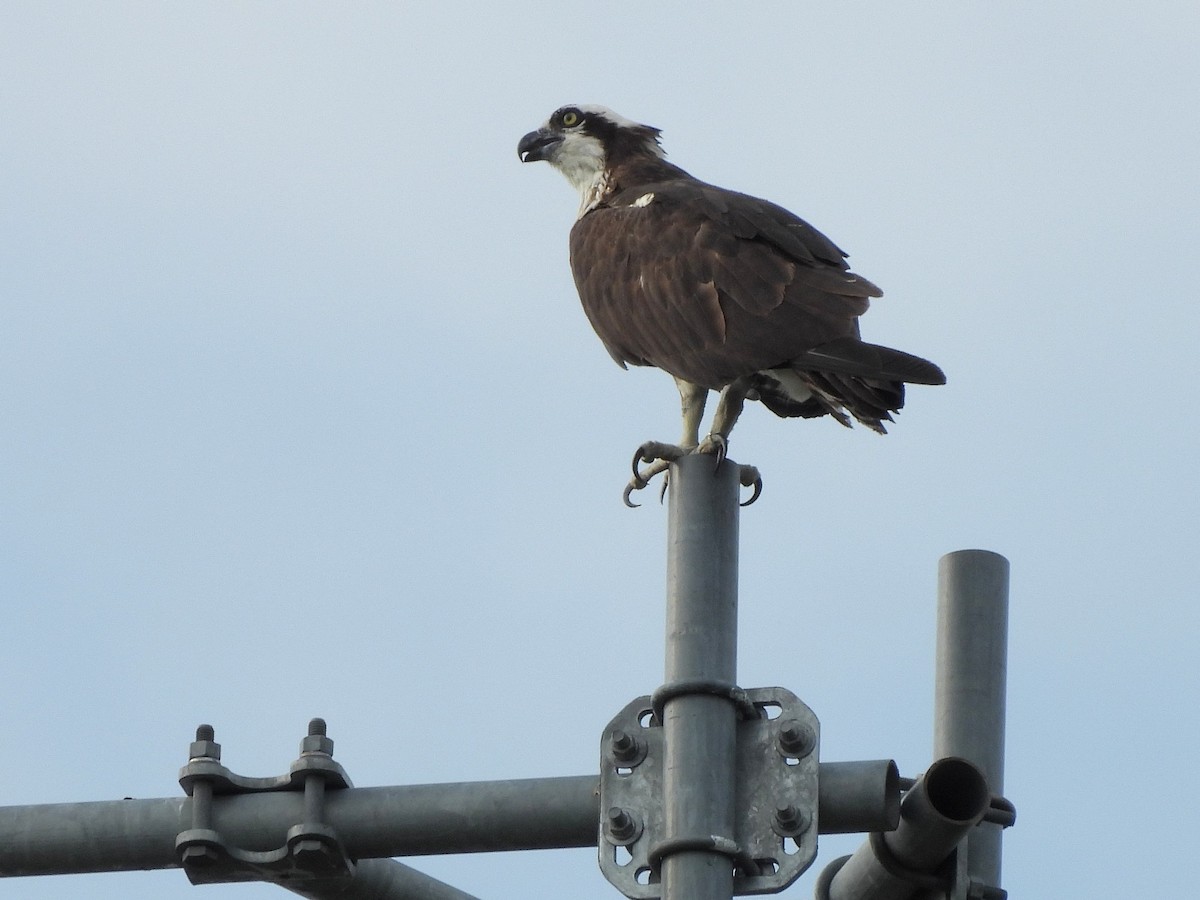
[[537, 145]]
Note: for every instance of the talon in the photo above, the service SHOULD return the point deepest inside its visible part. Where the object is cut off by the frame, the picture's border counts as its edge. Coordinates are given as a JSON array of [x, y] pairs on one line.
[[642, 479], [638, 482], [716, 444], [749, 477], [659, 456]]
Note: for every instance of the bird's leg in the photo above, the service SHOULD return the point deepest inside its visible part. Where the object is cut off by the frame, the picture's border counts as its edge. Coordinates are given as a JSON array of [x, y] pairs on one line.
[[729, 407], [692, 398]]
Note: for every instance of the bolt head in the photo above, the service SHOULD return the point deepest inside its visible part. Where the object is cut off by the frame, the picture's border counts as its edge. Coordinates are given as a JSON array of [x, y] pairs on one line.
[[200, 855], [309, 848], [316, 856]]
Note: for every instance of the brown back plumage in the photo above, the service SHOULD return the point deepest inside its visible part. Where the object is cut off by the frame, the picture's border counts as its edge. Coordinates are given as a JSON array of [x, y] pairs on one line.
[[712, 285]]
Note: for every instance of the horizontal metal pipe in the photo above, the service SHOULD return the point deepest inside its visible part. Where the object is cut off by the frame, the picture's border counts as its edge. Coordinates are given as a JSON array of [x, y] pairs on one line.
[[858, 796], [379, 822], [371, 822], [942, 807]]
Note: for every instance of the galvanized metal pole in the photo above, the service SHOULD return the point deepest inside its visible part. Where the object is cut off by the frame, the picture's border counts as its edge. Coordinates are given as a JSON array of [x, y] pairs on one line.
[[378, 879], [371, 822], [945, 804], [699, 714], [972, 667], [379, 822]]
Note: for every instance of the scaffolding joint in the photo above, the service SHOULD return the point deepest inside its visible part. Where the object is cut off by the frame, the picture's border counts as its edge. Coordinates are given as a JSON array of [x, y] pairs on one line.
[[311, 849], [776, 819]]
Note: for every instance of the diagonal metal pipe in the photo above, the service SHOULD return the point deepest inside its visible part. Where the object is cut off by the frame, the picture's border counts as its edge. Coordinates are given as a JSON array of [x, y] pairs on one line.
[[940, 809], [379, 879]]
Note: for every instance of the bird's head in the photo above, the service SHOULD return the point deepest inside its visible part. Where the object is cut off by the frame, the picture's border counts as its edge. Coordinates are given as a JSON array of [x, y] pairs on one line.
[[585, 142]]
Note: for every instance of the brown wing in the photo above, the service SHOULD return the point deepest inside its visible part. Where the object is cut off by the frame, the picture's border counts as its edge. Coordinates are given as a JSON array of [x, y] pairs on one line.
[[709, 284]]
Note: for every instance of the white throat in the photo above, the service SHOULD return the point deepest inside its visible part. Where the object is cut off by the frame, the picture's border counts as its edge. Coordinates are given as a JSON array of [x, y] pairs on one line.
[[592, 193], [581, 160]]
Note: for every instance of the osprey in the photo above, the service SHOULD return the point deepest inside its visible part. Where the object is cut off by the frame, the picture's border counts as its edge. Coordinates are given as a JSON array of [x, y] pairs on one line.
[[724, 291]]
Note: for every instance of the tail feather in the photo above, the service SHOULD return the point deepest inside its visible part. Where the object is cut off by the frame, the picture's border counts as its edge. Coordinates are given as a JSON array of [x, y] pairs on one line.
[[849, 356], [871, 402], [845, 376]]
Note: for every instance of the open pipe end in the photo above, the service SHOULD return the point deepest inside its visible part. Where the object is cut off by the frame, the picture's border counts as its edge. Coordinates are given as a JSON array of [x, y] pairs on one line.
[[957, 790]]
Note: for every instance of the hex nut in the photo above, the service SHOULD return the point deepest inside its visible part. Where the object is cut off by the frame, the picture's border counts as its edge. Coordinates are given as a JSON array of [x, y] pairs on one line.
[[204, 750], [316, 743], [796, 739], [199, 855]]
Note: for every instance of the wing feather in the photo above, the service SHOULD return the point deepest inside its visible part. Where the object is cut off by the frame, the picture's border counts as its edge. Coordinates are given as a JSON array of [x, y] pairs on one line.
[[711, 285]]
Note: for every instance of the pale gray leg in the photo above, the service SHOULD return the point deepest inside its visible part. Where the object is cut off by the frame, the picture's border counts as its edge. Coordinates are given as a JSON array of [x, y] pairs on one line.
[[692, 400], [729, 407]]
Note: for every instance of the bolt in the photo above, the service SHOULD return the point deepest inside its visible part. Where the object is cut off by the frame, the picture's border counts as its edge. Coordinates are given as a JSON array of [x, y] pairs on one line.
[[316, 741], [622, 826], [624, 746], [795, 738], [790, 820], [204, 747]]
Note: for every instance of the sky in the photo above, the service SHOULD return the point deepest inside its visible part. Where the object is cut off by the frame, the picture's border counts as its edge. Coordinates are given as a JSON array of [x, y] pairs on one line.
[[300, 416]]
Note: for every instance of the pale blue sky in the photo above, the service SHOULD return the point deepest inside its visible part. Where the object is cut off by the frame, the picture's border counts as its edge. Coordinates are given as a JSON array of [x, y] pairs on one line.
[[301, 416]]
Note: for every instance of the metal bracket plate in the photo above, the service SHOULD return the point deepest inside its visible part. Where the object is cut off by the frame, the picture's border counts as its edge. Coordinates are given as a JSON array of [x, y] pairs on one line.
[[777, 764]]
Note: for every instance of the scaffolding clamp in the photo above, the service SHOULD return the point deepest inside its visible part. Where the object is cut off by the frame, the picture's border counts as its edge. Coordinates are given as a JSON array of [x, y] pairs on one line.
[[775, 834], [311, 849]]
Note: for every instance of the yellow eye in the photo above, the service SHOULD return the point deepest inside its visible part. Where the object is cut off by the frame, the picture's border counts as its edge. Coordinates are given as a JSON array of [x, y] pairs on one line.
[[570, 119]]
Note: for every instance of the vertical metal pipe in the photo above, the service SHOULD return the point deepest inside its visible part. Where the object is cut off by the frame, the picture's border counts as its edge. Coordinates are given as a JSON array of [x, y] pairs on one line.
[[700, 729], [969, 696]]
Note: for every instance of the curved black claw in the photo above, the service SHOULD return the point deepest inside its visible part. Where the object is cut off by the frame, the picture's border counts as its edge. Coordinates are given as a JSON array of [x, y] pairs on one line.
[[749, 477], [642, 477], [633, 486], [655, 452], [660, 456], [629, 489], [716, 445]]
